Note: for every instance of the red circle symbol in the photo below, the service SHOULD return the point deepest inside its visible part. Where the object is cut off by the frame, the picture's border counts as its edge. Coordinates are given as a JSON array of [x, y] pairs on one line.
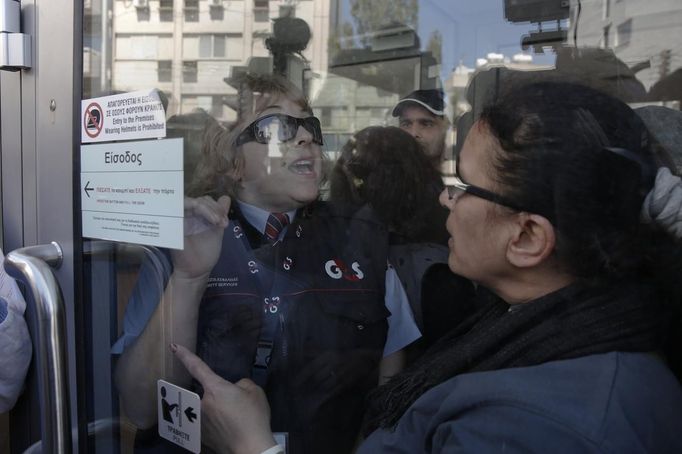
[[93, 121]]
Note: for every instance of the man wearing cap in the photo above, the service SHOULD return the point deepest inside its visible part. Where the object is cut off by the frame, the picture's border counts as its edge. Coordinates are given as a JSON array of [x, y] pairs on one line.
[[422, 115]]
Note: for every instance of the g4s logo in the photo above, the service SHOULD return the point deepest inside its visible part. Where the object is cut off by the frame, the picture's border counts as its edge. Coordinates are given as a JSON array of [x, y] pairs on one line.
[[336, 269]]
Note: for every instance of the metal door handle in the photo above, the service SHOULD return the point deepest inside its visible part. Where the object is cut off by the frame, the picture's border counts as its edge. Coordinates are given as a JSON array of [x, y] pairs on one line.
[[31, 265]]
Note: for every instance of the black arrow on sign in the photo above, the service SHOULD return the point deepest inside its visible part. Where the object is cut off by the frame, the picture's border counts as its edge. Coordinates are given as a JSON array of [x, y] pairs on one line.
[[189, 412], [88, 189]]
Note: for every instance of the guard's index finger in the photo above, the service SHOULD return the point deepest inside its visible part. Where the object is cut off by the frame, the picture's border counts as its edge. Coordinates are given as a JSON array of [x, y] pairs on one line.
[[195, 366]]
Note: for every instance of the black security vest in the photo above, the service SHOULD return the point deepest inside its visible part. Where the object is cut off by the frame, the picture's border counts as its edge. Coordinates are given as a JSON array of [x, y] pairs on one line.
[[320, 292]]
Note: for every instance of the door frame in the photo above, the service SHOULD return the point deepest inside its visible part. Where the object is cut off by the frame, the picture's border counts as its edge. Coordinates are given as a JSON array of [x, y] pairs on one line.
[[40, 140]]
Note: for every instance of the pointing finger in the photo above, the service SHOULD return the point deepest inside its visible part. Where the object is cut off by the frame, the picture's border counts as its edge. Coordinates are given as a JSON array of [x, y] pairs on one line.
[[195, 366]]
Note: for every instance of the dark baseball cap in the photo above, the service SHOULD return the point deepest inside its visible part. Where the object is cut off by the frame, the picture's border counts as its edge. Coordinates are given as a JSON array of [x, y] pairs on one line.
[[431, 100]]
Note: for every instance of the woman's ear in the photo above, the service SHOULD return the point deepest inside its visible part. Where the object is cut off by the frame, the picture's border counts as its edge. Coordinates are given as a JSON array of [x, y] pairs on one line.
[[532, 241]]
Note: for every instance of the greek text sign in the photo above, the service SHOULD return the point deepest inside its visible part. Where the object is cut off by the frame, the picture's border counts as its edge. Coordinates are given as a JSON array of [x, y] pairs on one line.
[[134, 115], [179, 416], [133, 192]]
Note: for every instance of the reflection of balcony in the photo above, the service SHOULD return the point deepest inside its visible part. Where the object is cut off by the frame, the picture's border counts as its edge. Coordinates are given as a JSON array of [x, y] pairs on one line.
[[535, 10], [391, 60], [92, 63], [395, 71], [141, 4]]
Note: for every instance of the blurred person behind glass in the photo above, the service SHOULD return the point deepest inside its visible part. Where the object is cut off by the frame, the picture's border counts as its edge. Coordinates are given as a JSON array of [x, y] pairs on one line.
[[422, 115]]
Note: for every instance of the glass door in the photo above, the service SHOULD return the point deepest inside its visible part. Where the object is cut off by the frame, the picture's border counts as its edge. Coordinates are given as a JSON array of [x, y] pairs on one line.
[[355, 60], [105, 138]]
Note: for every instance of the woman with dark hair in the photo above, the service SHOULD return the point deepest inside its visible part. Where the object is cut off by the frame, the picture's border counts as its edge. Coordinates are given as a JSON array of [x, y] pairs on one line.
[[565, 208], [386, 169]]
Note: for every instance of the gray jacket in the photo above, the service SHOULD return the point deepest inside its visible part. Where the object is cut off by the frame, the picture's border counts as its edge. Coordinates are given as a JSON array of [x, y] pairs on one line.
[[606, 403]]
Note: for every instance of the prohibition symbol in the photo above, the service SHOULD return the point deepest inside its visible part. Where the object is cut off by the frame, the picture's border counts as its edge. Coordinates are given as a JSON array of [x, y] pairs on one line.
[[93, 120]]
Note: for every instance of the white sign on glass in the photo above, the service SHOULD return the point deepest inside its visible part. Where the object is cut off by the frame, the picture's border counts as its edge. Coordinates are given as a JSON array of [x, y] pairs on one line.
[[128, 116], [179, 416], [133, 192]]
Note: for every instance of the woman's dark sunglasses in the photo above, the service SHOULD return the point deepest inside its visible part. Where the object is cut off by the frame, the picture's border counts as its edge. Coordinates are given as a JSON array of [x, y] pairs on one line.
[[286, 127]]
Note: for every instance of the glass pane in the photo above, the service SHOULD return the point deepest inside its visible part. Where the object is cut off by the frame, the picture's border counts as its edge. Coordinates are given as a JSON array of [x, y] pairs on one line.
[[189, 71], [305, 312], [219, 46], [165, 70], [205, 46], [190, 46], [165, 47]]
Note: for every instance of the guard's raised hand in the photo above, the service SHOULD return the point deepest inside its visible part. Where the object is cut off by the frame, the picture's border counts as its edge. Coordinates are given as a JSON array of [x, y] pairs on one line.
[[205, 220]]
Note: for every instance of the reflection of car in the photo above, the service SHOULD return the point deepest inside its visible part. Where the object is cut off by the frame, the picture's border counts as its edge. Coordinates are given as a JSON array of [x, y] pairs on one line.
[[333, 141]]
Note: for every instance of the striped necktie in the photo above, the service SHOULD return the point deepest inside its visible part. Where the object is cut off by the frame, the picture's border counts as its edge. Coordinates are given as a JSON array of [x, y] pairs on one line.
[[275, 225]]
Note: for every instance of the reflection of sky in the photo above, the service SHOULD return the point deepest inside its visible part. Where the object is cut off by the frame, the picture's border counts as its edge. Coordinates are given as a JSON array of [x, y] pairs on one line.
[[471, 29]]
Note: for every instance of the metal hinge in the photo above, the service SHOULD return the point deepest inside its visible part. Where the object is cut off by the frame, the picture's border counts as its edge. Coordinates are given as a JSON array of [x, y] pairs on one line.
[[15, 47]]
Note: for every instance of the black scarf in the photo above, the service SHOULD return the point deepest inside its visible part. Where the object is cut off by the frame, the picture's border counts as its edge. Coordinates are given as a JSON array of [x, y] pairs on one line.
[[572, 322]]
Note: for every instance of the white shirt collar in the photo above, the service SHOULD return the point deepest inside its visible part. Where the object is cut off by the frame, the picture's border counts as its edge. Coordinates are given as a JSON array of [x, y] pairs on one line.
[[258, 217]]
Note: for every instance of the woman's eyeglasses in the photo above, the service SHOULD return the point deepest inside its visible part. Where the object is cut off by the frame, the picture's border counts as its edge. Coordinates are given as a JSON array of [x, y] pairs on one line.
[[457, 187], [284, 127]]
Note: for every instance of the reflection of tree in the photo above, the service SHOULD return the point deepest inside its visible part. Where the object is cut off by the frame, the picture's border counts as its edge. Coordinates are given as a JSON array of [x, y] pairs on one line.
[[341, 38], [435, 45], [371, 15]]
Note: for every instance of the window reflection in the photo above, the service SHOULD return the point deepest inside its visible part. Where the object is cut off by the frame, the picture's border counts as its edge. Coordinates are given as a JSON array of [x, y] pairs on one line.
[[356, 59]]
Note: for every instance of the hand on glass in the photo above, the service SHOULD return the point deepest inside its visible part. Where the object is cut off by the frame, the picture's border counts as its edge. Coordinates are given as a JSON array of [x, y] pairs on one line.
[[205, 221], [235, 417]]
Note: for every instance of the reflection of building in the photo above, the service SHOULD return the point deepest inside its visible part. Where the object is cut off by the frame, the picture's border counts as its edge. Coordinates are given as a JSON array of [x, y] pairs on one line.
[[646, 36], [94, 59], [457, 83], [187, 47], [466, 98], [345, 106], [367, 74]]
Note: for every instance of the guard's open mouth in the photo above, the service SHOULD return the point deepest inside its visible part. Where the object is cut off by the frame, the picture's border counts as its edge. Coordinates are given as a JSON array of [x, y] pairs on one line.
[[303, 167]]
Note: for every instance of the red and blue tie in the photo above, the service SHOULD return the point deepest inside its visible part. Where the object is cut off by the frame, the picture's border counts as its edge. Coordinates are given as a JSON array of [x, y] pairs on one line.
[[275, 225]]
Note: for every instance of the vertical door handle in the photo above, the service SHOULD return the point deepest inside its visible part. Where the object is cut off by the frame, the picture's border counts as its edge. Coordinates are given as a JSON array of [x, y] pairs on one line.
[[31, 266]]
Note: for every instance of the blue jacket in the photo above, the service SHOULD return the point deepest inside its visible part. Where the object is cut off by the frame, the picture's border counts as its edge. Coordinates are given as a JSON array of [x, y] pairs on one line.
[[606, 403]]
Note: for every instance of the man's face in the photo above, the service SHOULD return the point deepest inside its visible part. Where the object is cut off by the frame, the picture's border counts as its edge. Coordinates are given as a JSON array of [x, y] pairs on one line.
[[282, 176], [428, 129]]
